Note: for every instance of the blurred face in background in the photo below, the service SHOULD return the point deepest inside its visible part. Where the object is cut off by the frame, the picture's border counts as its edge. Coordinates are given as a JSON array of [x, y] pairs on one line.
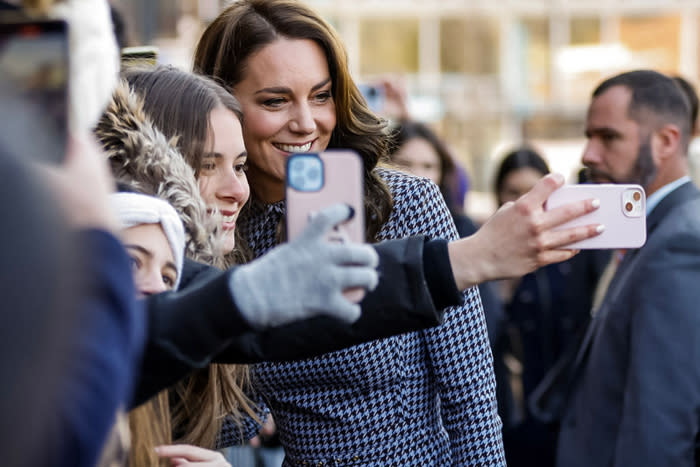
[[618, 149], [222, 178], [517, 183], [287, 100], [418, 157], [152, 259]]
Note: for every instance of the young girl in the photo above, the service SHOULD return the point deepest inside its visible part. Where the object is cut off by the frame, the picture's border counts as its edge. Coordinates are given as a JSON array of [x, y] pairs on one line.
[[154, 237]]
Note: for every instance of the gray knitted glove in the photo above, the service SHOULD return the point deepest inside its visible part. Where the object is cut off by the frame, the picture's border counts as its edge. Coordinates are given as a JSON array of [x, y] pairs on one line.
[[305, 277]]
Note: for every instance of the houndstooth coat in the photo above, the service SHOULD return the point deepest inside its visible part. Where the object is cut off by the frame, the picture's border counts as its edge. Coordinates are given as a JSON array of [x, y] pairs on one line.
[[424, 398]]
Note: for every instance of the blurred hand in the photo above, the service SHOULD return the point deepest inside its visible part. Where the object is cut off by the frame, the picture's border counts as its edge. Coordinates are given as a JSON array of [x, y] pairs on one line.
[[396, 104], [83, 184], [185, 454], [519, 237]]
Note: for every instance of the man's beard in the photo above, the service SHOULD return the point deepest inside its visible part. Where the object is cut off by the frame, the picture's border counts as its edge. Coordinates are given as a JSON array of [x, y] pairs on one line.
[[643, 173]]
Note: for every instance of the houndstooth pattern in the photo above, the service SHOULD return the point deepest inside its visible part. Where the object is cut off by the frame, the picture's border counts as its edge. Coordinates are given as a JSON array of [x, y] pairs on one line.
[[423, 398]]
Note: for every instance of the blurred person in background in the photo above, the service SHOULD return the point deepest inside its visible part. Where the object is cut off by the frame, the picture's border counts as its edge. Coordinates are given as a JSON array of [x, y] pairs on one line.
[[694, 146], [634, 392], [689, 92], [419, 151], [547, 309]]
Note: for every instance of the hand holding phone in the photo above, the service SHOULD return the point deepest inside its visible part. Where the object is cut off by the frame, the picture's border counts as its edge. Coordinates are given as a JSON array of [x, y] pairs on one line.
[[622, 211], [316, 181]]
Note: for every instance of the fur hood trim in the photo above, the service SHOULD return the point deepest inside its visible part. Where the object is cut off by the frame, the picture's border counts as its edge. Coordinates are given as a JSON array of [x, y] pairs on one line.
[[142, 157]]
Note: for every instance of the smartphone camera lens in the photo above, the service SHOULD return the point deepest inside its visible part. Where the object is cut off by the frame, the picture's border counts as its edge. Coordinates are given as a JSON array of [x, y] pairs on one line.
[[633, 202], [305, 172], [313, 174]]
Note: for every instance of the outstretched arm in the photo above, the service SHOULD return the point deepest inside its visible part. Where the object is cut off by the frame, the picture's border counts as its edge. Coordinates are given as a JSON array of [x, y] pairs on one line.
[[520, 237]]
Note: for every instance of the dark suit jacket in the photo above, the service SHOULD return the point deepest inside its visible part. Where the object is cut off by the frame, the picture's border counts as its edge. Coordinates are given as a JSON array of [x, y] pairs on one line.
[[635, 397]]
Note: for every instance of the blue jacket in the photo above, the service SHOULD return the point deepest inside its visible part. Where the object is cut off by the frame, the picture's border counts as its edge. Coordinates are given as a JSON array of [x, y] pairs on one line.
[[106, 352]]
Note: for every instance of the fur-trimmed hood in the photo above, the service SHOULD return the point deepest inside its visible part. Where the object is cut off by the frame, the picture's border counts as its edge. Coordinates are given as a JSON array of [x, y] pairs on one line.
[[142, 157]]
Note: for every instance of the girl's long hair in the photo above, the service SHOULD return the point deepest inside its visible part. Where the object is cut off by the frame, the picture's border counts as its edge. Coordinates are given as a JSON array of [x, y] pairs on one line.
[[176, 103]]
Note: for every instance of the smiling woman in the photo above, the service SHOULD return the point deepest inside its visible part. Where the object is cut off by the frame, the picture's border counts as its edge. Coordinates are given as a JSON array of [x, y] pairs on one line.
[[288, 69], [212, 146]]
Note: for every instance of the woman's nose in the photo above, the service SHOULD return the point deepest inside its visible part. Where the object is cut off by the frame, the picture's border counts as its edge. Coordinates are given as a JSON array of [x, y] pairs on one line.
[[302, 120], [232, 188], [152, 283]]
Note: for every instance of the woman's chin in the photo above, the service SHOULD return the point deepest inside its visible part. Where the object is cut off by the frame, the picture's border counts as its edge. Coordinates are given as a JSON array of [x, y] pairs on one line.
[[228, 243]]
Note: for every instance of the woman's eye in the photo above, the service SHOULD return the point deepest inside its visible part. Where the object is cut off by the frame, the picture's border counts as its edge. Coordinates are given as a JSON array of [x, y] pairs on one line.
[[274, 102], [208, 166], [134, 263], [169, 282], [323, 96], [241, 168]]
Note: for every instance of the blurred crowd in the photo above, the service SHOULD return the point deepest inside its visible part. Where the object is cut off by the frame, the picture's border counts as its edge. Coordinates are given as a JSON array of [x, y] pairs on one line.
[[156, 313]]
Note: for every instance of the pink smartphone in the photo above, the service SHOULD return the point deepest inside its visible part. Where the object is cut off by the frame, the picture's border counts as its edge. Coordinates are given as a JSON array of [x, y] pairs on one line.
[[316, 181], [622, 211]]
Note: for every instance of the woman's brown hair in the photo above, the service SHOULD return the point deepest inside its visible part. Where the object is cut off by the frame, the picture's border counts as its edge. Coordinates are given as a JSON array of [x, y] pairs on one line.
[[246, 26], [178, 104]]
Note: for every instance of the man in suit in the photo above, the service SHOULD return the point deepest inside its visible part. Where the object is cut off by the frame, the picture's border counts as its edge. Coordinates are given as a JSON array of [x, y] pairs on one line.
[[635, 394]]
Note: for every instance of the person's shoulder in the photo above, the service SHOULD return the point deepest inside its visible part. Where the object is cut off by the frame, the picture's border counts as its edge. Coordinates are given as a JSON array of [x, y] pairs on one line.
[[397, 178], [194, 272], [418, 207], [683, 221], [409, 189]]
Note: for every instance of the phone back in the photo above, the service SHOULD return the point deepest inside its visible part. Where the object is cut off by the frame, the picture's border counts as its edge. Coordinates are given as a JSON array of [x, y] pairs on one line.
[[316, 181], [622, 211]]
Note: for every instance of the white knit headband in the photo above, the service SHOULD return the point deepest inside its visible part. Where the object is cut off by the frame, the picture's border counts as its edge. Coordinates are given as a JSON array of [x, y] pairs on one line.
[[135, 209]]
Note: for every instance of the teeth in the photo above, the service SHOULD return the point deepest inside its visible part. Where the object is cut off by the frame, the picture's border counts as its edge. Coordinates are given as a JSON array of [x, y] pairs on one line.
[[294, 148], [229, 218]]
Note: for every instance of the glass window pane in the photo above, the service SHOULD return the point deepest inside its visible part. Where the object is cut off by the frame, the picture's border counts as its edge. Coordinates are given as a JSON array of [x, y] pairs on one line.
[[585, 31], [469, 46], [388, 46], [534, 34], [653, 40]]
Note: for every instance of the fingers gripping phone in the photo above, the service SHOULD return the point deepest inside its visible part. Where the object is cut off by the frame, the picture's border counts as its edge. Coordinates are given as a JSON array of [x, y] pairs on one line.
[[316, 181], [34, 82], [622, 211]]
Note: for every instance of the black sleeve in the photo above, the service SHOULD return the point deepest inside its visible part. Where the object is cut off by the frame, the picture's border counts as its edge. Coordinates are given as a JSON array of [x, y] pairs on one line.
[[438, 274], [187, 329], [190, 328], [401, 303]]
